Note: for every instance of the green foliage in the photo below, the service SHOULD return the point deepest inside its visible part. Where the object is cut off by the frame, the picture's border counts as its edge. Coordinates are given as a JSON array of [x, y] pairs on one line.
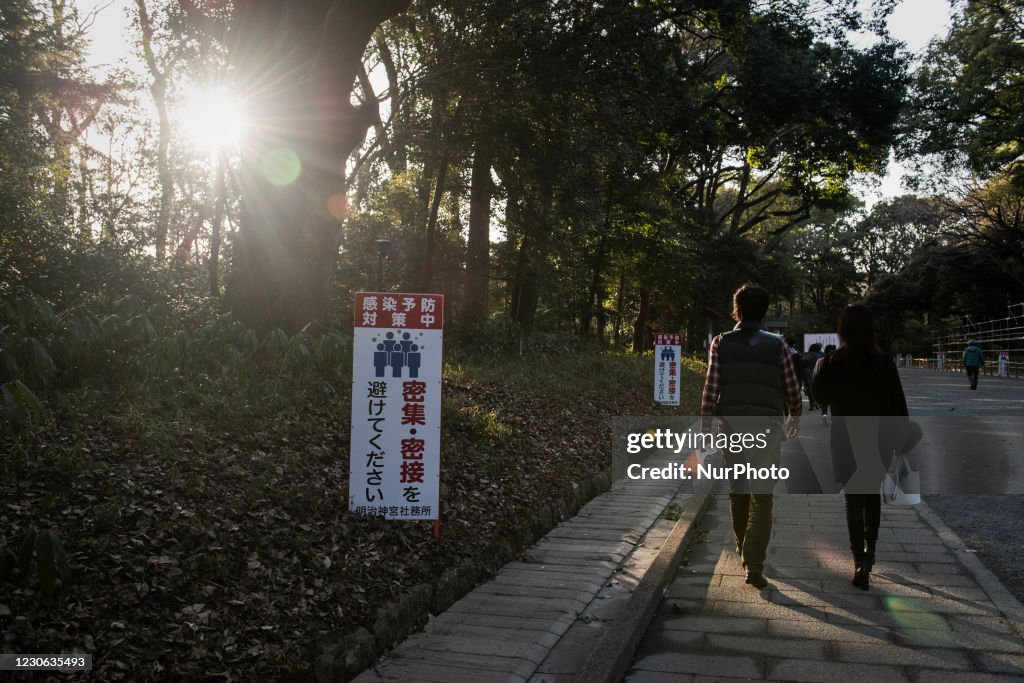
[[40, 563], [968, 109], [129, 342], [23, 411]]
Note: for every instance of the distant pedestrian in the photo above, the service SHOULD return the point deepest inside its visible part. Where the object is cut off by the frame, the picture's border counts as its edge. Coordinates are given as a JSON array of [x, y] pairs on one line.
[[861, 383], [750, 380], [811, 359], [974, 360], [829, 348]]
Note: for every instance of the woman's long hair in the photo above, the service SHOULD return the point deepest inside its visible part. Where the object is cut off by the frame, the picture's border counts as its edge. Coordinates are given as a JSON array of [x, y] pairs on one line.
[[859, 351]]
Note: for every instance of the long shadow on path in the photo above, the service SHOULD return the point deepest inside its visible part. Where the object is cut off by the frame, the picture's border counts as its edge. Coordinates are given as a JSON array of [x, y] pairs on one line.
[[926, 618]]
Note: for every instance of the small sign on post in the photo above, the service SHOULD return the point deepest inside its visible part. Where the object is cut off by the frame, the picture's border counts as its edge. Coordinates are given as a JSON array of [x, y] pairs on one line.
[[395, 459], [823, 338], [940, 361], [667, 353], [1004, 363]]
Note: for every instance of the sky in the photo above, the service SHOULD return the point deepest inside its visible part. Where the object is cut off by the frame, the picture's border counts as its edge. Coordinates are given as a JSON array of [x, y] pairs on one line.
[[915, 22]]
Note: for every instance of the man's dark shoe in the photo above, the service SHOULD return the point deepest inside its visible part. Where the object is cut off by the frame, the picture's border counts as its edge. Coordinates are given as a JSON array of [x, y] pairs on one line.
[[756, 579]]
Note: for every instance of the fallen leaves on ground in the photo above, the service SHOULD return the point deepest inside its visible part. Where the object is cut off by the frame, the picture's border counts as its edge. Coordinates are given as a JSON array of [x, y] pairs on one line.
[[218, 545]]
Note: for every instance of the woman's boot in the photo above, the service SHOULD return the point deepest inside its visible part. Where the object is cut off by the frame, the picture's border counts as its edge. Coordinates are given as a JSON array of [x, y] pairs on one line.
[[860, 571]]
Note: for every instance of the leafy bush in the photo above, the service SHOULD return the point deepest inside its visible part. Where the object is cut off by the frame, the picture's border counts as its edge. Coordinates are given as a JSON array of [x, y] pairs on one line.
[[128, 341], [40, 563]]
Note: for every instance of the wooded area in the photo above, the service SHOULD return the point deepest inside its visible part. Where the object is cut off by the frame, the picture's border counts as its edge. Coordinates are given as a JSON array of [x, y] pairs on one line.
[[182, 236]]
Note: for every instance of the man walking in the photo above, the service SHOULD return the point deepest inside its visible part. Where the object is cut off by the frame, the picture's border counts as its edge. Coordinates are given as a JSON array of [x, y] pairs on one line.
[[974, 359], [810, 361], [751, 380]]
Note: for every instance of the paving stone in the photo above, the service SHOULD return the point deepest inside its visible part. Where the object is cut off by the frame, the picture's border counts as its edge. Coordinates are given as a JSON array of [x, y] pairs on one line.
[[393, 670], [671, 641], [549, 580], [500, 605], [829, 672], [457, 660], [556, 626], [483, 645], [923, 579], [704, 624], [813, 629], [913, 557], [940, 568], [1001, 663], [656, 677], [494, 632], [512, 590], [949, 606], [932, 676], [674, 662], [763, 610], [878, 653], [777, 647], [968, 639]]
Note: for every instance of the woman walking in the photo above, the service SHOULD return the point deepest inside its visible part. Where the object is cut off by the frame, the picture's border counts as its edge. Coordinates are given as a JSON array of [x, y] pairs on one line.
[[857, 379]]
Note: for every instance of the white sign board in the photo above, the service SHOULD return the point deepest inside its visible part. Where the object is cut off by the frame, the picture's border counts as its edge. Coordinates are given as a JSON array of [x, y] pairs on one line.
[[823, 338], [940, 361], [395, 461], [667, 354], [1004, 363]]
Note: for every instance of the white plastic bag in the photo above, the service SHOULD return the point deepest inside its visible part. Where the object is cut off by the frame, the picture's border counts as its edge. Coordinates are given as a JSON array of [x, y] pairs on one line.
[[902, 483]]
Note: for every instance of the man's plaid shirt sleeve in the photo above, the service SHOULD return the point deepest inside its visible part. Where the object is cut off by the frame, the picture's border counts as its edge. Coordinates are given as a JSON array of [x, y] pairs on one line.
[[790, 384], [712, 388]]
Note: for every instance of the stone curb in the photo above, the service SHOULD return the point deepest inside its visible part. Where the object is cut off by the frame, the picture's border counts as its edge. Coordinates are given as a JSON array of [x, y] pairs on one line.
[[345, 659], [1004, 601], [610, 659]]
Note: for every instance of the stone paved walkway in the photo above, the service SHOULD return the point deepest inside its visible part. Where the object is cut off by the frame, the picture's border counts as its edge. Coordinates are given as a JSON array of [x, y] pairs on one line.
[[933, 613], [505, 629]]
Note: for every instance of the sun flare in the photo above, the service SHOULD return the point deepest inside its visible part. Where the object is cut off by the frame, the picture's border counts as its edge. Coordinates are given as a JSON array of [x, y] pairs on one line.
[[211, 119]]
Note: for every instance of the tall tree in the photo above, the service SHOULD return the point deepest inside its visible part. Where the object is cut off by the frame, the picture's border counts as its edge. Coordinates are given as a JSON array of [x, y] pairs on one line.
[[158, 88], [968, 109], [297, 65]]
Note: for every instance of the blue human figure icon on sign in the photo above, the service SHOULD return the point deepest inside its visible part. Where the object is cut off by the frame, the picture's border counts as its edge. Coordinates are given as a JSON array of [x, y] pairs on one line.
[[397, 356], [406, 345], [406, 342], [412, 359], [668, 353], [380, 360]]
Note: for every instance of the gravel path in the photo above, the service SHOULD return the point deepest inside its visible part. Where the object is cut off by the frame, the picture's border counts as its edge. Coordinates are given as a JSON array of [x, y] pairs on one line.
[[992, 526], [989, 524]]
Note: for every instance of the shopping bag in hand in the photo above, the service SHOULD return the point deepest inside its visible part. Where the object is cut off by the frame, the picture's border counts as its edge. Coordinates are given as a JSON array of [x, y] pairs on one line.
[[902, 483]]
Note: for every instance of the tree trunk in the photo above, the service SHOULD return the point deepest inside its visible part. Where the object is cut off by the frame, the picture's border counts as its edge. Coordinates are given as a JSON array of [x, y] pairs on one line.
[[427, 268], [478, 243], [619, 301], [158, 89], [221, 199], [396, 157], [640, 336], [297, 63], [525, 287]]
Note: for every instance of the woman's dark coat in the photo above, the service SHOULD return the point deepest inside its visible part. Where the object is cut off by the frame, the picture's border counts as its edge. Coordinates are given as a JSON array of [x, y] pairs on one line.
[[848, 392]]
